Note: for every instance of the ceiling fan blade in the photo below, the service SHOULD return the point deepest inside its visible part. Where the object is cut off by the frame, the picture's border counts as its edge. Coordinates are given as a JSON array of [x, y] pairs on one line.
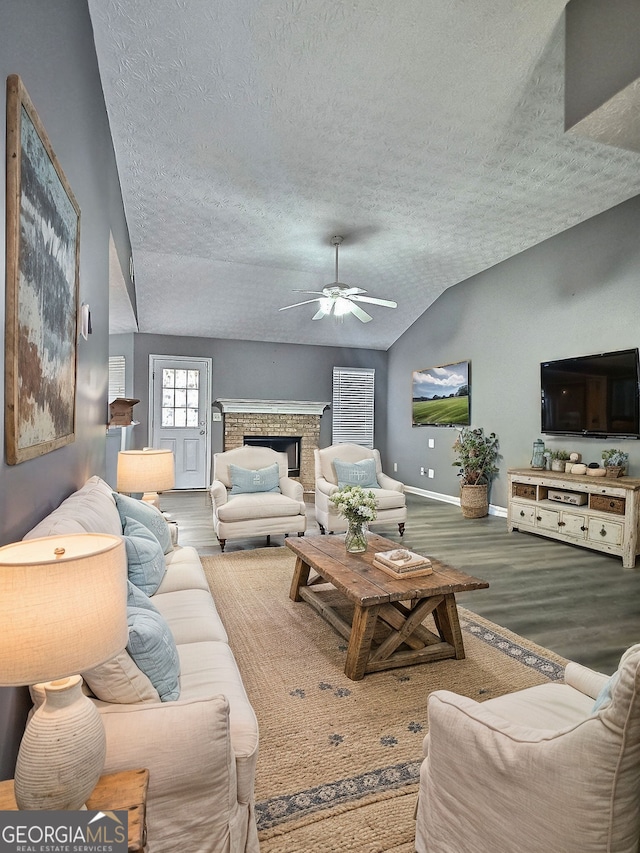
[[350, 291], [306, 302], [318, 292], [359, 313], [388, 303]]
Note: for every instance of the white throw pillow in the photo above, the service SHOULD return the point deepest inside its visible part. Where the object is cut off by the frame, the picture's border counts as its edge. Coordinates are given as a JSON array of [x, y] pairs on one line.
[[120, 681]]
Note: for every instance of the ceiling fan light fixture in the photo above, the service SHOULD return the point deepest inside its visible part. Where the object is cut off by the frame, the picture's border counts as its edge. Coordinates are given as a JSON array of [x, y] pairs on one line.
[[340, 299], [342, 307], [326, 305]]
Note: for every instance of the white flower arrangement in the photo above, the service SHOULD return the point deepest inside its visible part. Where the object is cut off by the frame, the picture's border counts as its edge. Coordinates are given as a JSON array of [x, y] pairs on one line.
[[355, 504]]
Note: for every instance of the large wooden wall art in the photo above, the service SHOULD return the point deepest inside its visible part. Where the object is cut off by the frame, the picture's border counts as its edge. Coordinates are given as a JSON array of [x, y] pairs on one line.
[[42, 266]]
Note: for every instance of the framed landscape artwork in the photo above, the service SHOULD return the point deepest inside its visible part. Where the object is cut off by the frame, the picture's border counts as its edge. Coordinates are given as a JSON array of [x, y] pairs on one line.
[[42, 259], [442, 395]]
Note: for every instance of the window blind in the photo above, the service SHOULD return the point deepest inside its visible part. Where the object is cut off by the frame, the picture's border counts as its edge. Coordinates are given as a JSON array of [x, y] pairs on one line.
[[353, 399], [116, 377]]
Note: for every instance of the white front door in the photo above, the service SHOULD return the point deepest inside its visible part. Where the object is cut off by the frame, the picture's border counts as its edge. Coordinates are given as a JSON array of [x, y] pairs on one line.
[[180, 413]]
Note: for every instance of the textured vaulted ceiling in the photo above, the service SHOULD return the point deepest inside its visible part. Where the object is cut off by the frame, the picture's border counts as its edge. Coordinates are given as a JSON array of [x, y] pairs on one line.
[[429, 133]]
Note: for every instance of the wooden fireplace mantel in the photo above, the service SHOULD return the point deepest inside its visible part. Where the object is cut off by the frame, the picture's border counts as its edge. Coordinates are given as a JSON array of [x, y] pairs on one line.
[[276, 407]]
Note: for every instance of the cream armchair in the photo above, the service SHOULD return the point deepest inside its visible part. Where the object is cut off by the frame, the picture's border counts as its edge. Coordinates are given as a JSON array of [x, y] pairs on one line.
[[544, 769], [244, 506], [390, 497]]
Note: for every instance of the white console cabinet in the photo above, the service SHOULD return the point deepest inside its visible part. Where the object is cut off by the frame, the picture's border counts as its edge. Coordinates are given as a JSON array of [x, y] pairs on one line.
[[607, 519]]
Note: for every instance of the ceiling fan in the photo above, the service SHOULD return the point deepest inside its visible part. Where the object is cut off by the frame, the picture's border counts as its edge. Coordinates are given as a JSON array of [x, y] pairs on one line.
[[339, 299]]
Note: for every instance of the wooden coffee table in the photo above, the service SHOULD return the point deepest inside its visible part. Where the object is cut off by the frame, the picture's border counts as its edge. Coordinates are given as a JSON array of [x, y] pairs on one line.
[[386, 629]]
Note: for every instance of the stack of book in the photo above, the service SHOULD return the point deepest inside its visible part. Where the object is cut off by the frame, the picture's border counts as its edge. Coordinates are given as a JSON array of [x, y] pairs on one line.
[[401, 563]]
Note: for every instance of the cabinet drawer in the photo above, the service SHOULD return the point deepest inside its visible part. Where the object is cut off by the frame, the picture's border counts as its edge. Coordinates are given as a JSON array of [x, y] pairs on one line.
[[522, 490], [523, 513], [606, 503], [573, 524], [605, 531], [547, 519]]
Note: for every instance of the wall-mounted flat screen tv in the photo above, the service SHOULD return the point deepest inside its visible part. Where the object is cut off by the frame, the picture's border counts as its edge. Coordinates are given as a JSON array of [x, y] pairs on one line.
[[592, 395], [441, 395]]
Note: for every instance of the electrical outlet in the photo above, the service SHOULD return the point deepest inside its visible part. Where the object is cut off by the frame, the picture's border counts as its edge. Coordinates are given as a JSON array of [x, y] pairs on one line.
[[431, 443], [216, 416], [422, 472], [431, 473]]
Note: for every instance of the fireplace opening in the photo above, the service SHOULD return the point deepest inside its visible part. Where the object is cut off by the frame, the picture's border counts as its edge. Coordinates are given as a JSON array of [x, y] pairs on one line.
[[288, 444]]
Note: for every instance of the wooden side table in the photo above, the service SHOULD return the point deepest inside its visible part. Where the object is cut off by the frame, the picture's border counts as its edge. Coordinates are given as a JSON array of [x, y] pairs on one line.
[[173, 531], [124, 791]]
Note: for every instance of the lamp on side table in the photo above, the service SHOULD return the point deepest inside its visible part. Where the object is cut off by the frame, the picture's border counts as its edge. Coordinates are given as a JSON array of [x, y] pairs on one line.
[[149, 470], [63, 610]]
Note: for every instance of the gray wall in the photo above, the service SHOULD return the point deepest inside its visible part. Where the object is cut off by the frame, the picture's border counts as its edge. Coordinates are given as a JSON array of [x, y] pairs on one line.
[[251, 369], [574, 294], [50, 45], [601, 55]]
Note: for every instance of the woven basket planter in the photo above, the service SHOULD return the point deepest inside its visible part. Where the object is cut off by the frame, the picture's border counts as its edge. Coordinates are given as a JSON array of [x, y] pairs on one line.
[[474, 501], [614, 471]]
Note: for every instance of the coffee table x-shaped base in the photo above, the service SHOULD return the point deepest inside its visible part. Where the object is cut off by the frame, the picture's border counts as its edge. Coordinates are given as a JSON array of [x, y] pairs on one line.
[[401, 604]]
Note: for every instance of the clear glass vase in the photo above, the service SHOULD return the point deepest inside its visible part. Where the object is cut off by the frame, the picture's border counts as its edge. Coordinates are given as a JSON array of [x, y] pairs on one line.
[[355, 539]]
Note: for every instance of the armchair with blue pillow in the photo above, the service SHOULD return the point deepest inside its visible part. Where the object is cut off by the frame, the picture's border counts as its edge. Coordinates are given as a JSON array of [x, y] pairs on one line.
[[253, 495], [353, 465]]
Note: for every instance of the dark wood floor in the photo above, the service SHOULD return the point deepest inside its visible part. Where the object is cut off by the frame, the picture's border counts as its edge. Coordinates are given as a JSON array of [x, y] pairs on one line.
[[579, 603]]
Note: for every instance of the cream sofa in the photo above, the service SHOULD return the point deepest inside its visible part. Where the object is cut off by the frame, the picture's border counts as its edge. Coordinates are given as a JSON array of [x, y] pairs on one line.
[[551, 768], [200, 750]]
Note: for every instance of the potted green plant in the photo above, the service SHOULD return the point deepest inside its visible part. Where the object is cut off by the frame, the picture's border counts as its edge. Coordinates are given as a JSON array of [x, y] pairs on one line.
[[559, 458], [476, 456], [615, 462]]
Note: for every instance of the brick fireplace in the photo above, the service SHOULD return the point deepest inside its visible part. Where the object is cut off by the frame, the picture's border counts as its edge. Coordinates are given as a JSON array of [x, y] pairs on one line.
[[280, 418]]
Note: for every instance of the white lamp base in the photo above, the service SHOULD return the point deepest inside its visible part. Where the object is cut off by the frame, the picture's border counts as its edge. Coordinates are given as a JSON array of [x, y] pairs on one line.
[[152, 498], [63, 749]]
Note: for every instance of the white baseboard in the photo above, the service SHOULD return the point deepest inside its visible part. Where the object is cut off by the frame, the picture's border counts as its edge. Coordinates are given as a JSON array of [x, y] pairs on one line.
[[500, 511]]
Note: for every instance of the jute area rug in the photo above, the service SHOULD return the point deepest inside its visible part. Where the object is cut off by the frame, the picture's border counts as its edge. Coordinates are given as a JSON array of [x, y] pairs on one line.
[[339, 760]]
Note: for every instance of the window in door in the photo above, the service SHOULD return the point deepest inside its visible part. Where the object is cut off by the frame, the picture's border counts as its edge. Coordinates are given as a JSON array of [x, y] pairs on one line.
[[180, 397]]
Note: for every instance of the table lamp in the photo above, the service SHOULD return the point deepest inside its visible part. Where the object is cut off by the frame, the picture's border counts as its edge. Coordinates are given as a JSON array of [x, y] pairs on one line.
[[149, 470], [63, 610]]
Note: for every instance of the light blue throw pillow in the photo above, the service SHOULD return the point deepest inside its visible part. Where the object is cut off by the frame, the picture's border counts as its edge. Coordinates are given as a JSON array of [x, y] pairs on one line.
[[145, 560], [152, 647], [604, 696], [137, 598], [361, 473], [245, 481], [146, 514]]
